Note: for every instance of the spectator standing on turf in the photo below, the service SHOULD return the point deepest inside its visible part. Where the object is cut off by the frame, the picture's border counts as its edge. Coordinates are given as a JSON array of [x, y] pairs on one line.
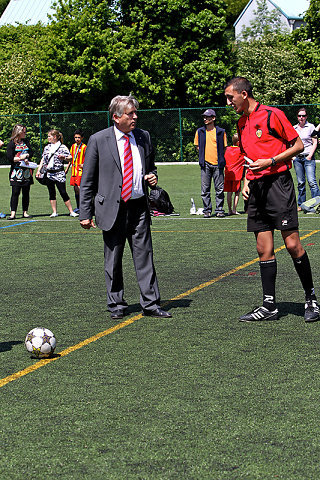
[[53, 158], [233, 174], [117, 172], [211, 142], [77, 152], [269, 140], [304, 163], [2, 215], [19, 150]]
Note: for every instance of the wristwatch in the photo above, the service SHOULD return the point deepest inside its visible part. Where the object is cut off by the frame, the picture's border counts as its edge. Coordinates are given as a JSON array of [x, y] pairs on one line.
[[273, 162]]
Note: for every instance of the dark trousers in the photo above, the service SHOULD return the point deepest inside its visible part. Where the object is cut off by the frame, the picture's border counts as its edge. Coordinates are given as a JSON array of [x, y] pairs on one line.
[[16, 189], [132, 224], [61, 186], [211, 173]]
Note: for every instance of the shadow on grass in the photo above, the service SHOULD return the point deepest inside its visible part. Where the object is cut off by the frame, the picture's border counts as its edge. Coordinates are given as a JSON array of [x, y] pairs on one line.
[[7, 346], [38, 359], [165, 304], [182, 303], [290, 308]]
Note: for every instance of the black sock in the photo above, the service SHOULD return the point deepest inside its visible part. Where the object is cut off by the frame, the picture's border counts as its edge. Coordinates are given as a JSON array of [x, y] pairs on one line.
[[268, 270], [76, 196], [303, 269]]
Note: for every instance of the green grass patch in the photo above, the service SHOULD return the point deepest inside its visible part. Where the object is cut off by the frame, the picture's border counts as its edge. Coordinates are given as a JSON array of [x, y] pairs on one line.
[[198, 396]]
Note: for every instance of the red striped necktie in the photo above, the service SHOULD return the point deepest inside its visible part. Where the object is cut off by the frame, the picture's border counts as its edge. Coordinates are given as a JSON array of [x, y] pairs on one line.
[[127, 170]]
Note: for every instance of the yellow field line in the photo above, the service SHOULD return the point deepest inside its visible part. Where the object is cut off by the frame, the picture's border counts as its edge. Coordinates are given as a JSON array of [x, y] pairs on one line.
[[73, 348], [234, 270], [94, 338]]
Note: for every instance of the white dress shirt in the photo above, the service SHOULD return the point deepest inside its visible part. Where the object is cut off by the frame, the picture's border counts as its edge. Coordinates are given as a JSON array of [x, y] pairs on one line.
[[137, 190]]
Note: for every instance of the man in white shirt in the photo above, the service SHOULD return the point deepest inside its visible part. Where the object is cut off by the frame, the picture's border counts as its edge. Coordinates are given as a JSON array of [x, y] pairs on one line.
[[118, 169]]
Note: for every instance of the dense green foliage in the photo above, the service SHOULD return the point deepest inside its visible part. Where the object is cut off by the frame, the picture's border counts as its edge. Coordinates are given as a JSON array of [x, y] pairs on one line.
[[21, 48], [3, 5], [78, 68], [181, 47], [234, 8], [277, 78], [168, 53], [284, 68], [312, 19]]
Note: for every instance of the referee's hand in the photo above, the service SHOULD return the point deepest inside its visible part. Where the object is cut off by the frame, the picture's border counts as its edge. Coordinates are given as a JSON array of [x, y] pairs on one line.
[[246, 190], [260, 164]]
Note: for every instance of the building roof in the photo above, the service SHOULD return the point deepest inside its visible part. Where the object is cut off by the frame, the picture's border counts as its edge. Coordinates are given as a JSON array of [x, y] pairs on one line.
[[27, 12], [292, 10]]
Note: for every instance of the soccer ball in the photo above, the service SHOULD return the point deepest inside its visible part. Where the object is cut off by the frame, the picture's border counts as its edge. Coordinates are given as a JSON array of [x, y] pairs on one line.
[[40, 342]]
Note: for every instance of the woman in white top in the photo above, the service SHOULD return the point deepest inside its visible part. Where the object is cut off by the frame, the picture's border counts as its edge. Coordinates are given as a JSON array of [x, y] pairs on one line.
[[304, 163], [55, 154]]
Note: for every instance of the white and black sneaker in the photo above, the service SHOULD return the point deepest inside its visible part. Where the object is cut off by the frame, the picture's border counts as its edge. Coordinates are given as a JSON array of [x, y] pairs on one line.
[[259, 314], [312, 311]]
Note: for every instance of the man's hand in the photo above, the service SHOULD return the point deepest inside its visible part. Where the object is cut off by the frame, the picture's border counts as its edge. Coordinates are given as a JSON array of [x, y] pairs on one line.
[[87, 224], [260, 164], [151, 179], [246, 190]]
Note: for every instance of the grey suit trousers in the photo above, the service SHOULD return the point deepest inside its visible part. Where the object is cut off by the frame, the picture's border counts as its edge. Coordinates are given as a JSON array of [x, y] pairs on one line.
[[132, 224]]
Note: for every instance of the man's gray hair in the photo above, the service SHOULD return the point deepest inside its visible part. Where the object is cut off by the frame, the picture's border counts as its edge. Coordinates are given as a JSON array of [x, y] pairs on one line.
[[119, 103]]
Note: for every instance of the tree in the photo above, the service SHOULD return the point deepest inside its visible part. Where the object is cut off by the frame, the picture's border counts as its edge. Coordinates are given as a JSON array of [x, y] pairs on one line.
[[266, 22], [181, 46], [77, 66], [307, 41], [312, 19], [275, 68], [274, 61], [19, 53], [3, 5], [234, 8]]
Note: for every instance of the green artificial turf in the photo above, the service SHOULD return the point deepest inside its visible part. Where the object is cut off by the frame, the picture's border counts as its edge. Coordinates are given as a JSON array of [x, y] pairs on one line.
[[198, 396]]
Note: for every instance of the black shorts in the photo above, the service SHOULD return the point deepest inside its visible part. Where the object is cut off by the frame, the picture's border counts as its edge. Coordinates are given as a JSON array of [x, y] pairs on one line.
[[272, 203]]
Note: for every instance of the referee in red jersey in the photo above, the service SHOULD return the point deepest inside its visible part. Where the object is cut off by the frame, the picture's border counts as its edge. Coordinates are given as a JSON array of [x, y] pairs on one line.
[[269, 142]]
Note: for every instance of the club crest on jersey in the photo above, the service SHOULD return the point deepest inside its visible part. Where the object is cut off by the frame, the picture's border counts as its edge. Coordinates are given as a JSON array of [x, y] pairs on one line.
[[259, 133]]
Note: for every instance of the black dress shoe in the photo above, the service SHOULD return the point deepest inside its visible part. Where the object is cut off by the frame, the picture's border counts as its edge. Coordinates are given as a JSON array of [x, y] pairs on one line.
[[157, 312], [117, 314]]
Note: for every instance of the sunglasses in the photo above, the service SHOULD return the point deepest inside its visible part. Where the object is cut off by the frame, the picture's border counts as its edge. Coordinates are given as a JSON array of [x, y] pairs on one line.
[[302, 115]]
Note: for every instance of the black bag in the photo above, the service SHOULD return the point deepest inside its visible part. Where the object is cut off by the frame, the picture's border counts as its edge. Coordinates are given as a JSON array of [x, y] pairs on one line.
[[159, 202], [43, 177]]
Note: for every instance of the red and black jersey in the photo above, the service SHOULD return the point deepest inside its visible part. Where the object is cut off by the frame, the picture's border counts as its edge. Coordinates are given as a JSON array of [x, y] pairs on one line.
[[265, 133]]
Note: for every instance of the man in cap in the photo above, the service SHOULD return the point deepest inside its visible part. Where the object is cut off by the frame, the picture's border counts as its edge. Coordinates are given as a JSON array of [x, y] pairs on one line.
[[211, 142]]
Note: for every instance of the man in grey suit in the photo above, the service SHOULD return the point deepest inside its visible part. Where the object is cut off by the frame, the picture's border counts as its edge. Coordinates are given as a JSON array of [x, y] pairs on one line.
[[118, 168]]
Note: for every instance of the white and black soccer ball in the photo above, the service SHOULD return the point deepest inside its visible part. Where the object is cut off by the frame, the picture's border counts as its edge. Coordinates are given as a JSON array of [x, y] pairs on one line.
[[40, 342]]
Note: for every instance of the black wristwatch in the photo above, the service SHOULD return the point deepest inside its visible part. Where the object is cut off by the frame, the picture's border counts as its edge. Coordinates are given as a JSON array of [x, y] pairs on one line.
[[273, 162]]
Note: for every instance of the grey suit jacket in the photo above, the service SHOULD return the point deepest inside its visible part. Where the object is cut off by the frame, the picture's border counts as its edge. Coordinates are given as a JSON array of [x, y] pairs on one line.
[[101, 182]]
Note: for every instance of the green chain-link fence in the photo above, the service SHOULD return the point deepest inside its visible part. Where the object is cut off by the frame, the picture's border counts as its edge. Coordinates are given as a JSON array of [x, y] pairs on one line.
[[172, 130]]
